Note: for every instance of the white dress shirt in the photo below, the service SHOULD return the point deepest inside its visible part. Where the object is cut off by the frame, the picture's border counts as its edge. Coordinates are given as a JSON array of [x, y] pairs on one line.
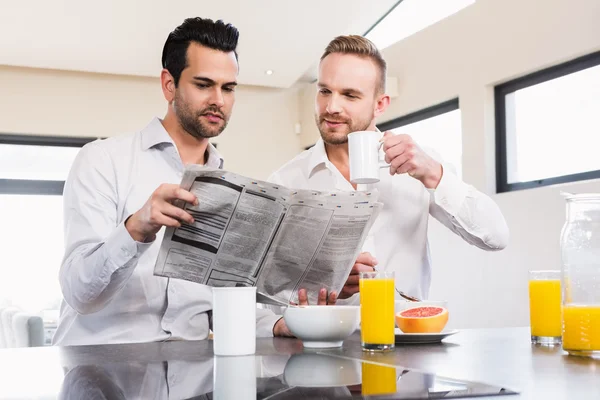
[[398, 238], [172, 380], [110, 292], [176, 379]]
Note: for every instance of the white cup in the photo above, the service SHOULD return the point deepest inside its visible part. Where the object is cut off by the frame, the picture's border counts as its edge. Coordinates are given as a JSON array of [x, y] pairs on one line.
[[234, 321], [364, 153], [234, 378]]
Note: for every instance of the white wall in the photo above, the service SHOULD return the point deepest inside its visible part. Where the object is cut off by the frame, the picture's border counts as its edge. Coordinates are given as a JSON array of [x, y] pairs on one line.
[[464, 56], [259, 137]]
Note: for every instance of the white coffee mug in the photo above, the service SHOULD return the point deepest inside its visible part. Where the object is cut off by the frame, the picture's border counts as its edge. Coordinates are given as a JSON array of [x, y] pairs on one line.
[[234, 321], [364, 153]]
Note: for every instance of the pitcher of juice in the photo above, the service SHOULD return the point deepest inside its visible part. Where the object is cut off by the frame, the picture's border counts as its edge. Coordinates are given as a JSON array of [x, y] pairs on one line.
[[580, 253]]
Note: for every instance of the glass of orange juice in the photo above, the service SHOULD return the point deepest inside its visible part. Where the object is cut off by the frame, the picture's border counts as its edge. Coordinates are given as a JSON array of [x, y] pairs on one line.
[[545, 307], [377, 310]]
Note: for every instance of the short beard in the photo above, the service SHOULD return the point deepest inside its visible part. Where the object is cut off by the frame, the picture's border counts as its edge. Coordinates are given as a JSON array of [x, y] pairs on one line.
[[192, 123], [338, 138]]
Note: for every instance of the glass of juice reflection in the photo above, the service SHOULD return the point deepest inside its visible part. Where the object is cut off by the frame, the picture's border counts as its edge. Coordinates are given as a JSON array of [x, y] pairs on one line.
[[545, 307], [377, 310], [378, 379]]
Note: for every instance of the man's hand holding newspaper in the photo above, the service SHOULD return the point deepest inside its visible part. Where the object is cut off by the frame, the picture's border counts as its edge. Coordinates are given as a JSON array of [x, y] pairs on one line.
[[252, 233]]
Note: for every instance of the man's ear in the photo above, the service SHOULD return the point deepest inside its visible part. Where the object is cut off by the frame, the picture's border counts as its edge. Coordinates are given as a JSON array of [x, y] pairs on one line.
[[383, 102], [167, 83]]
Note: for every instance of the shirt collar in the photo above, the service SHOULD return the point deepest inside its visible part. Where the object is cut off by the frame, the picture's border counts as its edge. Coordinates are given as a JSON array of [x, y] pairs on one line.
[[318, 156], [155, 133], [215, 160]]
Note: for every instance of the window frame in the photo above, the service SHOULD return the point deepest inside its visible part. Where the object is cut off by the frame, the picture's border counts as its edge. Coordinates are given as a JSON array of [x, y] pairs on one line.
[[420, 115], [35, 186], [506, 88]]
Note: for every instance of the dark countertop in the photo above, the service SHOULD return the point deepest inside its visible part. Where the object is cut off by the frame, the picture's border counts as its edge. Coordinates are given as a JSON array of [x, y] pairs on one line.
[[503, 358]]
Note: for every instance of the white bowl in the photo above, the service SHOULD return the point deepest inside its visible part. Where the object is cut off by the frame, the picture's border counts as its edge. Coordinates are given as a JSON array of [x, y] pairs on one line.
[[322, 326], [317, 370]]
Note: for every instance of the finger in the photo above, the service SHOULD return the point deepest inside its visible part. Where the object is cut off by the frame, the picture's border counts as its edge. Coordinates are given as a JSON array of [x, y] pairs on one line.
[[352, 280], [302, 297], [408, 167], [322, 300], [332, 298], [395, 140], [366, 258], [164, 220], [349, 290], [396, 151], [400, 161], [176, 213], [177, 193]]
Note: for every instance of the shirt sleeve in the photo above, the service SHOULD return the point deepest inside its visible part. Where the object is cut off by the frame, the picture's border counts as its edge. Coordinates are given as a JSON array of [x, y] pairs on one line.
[[265, 322], [100, 254], [469, 213]]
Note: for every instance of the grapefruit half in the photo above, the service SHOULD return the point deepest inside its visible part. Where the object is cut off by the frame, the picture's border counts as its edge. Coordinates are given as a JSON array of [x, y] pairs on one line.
[[427, 319]]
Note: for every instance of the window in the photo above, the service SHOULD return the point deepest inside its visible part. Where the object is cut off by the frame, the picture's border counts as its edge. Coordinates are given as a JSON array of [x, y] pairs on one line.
[[32, 175], [437, 128], [410, 16], [548, 126]]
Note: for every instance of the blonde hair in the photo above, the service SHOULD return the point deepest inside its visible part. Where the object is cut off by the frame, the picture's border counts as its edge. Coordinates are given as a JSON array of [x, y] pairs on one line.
[[362, 47]]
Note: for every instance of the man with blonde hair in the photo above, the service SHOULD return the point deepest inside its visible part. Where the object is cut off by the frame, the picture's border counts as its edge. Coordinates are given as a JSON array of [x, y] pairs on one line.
[[351, 96]]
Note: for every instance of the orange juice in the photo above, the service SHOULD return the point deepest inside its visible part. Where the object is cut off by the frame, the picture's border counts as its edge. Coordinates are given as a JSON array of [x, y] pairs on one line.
[[377, 311], [378, 379], [581, 329], [545, 308]]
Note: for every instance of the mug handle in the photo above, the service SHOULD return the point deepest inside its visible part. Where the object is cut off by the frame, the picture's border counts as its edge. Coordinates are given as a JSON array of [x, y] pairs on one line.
[[382, 163]]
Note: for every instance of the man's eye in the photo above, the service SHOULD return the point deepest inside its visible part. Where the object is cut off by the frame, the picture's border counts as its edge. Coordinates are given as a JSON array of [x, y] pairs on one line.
[[324, 91], [229, 89], [201, 85]]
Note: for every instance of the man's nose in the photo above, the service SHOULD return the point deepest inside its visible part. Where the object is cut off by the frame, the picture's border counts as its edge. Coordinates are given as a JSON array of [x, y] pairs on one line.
[[334, 105], [217, 97]]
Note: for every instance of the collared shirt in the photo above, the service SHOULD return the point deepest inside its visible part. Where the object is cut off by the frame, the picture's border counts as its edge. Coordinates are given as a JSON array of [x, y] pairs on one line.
[[175, 379], [398, 238], [110, 292]]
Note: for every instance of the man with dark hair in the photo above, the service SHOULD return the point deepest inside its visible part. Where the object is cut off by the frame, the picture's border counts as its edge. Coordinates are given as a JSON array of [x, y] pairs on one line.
[[119, 195]]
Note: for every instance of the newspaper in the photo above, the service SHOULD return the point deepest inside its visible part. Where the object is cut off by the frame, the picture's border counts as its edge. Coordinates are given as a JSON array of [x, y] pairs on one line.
[[253, 233]]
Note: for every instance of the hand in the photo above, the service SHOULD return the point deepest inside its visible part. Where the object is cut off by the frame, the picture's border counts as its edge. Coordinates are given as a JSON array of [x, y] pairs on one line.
[[280, 329], [159, 211], [364, 263], [322, 300], [405, 156]]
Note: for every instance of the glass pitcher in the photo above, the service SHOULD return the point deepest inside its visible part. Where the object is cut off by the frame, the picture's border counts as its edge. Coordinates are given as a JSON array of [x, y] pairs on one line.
[[580, 252]]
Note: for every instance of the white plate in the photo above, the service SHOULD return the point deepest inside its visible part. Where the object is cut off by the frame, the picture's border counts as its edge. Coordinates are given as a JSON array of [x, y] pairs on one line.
[[422, 338]]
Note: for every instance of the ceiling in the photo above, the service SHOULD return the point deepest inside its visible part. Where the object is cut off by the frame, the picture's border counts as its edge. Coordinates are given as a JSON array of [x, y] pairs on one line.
[[126, 36]]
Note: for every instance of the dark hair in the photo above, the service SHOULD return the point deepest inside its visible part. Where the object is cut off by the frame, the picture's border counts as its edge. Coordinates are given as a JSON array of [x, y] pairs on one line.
[[206, 32]]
